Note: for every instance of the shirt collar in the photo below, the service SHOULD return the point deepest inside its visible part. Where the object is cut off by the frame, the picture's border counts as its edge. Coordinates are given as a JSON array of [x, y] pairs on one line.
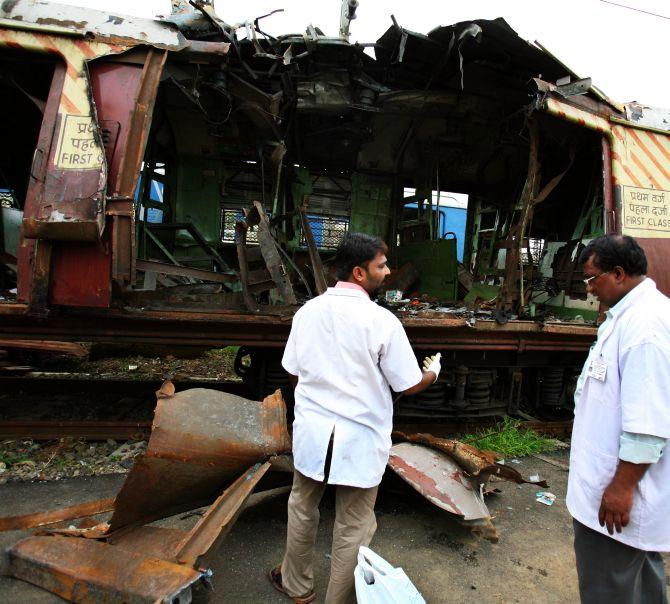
[[631, 297], [346, 288]]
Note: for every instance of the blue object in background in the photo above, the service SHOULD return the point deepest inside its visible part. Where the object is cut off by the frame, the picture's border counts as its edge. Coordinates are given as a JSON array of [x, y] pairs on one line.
[[154, 215], [452, 220]]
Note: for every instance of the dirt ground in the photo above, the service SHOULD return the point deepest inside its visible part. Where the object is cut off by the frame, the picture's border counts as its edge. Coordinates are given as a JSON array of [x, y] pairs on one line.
[[533, 562]]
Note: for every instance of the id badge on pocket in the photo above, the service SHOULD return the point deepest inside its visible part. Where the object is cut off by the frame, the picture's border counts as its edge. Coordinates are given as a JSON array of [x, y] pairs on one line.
[[597, 369]]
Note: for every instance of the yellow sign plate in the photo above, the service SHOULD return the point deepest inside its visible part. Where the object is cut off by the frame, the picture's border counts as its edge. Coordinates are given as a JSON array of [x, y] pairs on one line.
[[646, 212], [79, 150]]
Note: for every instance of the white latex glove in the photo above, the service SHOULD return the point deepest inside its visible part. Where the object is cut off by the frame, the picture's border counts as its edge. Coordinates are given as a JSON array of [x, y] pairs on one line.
[[433, 364]]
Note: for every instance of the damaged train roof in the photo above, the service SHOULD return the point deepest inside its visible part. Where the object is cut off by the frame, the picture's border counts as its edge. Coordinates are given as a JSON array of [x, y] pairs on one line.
[[401, 56]]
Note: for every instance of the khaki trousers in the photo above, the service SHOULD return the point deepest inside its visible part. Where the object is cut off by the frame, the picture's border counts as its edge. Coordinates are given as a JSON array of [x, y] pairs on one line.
[[355, 525]]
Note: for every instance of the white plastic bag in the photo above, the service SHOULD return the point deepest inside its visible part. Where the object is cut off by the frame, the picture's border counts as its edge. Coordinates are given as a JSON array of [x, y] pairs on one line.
[[377, 582]]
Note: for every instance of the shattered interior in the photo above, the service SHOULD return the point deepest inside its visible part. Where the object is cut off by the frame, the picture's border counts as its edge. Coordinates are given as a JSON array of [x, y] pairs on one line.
[[327, 138]]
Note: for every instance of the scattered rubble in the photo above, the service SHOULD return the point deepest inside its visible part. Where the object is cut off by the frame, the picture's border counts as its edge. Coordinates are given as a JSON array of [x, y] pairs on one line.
[[216, 363], [26, 460]]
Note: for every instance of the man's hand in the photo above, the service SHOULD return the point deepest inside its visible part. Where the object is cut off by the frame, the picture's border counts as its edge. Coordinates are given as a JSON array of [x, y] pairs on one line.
[[433, 364], [431, 367], [615, 507], [618, 496]]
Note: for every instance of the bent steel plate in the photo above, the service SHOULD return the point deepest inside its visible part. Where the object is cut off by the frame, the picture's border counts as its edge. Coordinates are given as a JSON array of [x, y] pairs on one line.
[[438, 479], [88, 571], [200, 441]]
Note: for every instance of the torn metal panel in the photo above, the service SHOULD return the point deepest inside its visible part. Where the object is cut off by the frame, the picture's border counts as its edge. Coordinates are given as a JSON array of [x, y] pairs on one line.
[[315, 259], [272, 274], [71, 348], [69, 174], [651, 117], [494, 41], [80, 510], [329, 92], [185, 271], [477, 464], [438, 478], [219, 518], [79, 22], [347, 15], [85, 570], [201, 439]]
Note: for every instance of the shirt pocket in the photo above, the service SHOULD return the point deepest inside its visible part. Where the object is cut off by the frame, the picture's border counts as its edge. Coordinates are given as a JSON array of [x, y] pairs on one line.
[[605, 392], [594, 469]]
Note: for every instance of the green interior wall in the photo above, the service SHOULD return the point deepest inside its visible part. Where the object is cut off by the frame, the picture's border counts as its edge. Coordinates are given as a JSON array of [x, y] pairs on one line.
[[371, 205], [437, 264], [197, 200]]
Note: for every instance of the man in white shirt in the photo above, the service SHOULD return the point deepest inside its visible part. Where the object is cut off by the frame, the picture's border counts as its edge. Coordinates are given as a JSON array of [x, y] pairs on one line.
[[619, 483], [343, 356]]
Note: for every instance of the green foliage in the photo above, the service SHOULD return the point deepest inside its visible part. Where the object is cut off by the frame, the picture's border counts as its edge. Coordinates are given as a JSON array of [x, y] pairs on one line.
[[227, 353], [10, 459], [509, 439]]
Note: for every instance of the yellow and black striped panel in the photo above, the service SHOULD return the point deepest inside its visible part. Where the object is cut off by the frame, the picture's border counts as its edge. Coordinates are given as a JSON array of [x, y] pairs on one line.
[[641, 173], [76, 124]]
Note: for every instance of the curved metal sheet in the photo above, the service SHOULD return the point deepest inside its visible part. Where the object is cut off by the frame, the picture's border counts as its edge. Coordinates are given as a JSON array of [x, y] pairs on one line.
[[438, 479], [201, 440]]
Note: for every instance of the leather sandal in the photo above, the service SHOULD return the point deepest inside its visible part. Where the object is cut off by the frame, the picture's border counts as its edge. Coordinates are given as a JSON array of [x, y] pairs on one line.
[[275, 578]]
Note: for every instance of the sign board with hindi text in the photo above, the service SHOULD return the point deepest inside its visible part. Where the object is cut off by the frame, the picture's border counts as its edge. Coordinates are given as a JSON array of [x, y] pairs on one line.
[[645, 212]]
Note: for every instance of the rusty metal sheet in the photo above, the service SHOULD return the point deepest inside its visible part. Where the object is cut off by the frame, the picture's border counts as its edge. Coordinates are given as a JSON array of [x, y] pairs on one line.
[[80, 510], [79, 21], [315, 259], [219, 518], [477, 464], [88, 571], [201, 440], [71, 348], [157, 541], [439, 479], [80, 274]]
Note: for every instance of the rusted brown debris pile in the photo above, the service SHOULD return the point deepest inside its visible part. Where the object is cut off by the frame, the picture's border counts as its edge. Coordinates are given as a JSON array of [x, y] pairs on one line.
[[209, 448], [453, 476], [201, 441]]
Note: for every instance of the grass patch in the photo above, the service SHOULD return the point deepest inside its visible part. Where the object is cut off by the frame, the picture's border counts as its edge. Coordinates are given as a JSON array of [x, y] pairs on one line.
[[9, 459], [509, 439], [227, 353]]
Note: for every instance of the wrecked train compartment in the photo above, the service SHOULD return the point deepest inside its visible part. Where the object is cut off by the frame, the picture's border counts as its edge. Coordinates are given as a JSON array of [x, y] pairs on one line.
[[185, 182]]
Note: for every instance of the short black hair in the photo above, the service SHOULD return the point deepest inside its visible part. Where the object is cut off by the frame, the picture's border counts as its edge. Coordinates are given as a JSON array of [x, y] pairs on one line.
[[356, 249], [613, 250]]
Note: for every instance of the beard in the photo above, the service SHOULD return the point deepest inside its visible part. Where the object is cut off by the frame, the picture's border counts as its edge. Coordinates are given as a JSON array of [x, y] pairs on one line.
[[375, 292]]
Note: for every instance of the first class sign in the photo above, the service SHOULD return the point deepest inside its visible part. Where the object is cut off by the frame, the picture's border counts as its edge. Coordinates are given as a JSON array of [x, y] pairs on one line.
[[645, 212], [79, 149]]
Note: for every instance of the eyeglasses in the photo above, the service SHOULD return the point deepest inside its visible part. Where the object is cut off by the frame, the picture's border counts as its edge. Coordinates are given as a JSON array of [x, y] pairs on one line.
[[588, 280]]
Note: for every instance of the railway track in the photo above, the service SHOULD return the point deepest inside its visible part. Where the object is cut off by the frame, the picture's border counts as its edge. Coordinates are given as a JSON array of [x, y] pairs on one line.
[[119, 428]]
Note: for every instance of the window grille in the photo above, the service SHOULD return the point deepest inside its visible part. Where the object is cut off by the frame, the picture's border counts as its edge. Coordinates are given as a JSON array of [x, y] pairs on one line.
[[536, 250], [328, 231], [229, 217]]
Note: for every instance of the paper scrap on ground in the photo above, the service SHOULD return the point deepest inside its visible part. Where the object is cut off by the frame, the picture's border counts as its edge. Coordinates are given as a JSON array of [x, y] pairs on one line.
[[545, 497]]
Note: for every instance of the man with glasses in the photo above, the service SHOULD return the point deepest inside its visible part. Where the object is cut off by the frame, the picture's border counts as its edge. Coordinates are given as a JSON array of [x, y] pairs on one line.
[[619, 483]]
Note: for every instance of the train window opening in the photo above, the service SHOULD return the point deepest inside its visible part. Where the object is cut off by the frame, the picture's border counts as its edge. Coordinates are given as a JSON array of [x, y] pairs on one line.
[[25, 80]]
